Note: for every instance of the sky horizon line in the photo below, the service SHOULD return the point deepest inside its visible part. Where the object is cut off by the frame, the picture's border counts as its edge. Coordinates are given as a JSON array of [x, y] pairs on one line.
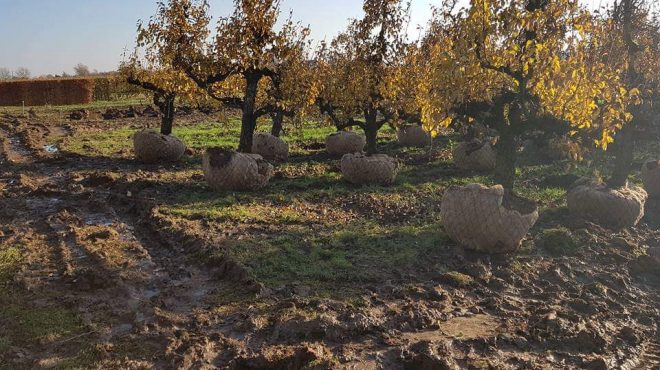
[[48, 38]]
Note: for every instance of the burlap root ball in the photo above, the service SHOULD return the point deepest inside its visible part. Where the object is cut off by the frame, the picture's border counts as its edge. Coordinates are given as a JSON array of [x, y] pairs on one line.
[[230, 170], [651, 178], [485, 219], [344, 142], [361, 169], [414, 136], [612, 208], [153, 147], [270, 147], [474, 155]]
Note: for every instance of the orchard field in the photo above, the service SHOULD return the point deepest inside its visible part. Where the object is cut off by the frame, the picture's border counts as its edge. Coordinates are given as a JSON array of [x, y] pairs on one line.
[[115, 264], [485, 197]]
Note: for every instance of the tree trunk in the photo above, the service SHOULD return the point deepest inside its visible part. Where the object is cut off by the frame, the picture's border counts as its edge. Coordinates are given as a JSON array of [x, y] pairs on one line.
[[371, 132], [623, 152], [505, 166], [372, 139], [249, 119], [167, 121], [165, 104], [278, 118], [625, 140]]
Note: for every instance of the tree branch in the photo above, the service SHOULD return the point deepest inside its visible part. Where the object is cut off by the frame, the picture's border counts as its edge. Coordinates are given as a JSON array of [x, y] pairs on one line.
[[145, 85], [329, 110]]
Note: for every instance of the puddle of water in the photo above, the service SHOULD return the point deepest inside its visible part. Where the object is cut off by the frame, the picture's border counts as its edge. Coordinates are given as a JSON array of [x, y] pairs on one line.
[[51, 148]]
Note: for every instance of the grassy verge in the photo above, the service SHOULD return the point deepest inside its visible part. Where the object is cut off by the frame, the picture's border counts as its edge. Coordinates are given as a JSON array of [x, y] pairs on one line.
[[97, 105]]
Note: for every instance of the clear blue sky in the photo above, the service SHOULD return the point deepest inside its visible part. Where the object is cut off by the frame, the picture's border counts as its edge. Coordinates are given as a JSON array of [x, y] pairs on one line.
[[51, 36]]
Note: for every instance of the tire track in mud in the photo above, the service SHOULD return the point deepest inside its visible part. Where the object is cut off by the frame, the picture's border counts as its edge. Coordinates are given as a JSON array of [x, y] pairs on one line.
[[25, 142], [14, 151], [123, 280], [152, 275]]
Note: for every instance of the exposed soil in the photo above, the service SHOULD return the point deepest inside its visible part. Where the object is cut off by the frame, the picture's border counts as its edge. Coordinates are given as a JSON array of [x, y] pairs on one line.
[[155, 291]]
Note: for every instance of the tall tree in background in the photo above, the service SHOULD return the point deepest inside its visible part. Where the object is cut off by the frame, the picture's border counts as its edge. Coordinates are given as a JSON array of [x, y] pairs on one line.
[[632, 46], [358, 68], [151, 65], [81, 70], [516, 65], [249, 63], [5, 74], [22, 73]]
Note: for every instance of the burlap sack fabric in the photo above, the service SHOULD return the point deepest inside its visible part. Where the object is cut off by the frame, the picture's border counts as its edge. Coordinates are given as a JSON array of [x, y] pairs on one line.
[[361, 169], [651, 178], [474, 155], [414, 136], [613, 208], [344, 142], [270, 147], [153, 147], [230, 170], [486, 219]]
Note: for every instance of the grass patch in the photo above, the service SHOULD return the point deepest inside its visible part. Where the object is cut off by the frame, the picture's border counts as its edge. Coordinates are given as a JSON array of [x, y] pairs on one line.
[[10, 259], [338, 257], [24, 324], [30, 325]]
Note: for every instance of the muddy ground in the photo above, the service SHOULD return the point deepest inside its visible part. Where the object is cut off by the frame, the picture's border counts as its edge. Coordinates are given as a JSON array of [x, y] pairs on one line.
[[101, 278]]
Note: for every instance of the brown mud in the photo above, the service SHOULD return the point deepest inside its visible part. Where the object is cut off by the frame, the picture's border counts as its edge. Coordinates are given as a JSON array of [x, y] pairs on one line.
[[157, 292]]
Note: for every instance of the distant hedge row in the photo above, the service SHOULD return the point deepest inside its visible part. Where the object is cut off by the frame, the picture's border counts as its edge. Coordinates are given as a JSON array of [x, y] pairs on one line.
[[113, 88], [64, 91]]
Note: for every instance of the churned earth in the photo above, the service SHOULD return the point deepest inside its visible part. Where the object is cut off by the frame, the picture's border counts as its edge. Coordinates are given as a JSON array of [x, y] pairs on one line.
[[108, 263]]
